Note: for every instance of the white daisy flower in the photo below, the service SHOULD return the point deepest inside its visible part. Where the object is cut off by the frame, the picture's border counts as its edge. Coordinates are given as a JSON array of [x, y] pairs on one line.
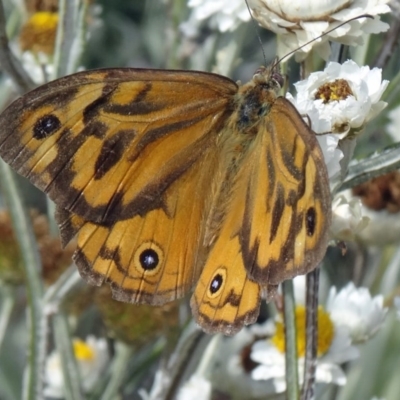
[[231, 372], [348, 217], [160, 384], [92, 358], [332, 154], [224, 15], [354, 308], [297, 22], [38, 67], [196, 388], [334, 348], [342, 98]]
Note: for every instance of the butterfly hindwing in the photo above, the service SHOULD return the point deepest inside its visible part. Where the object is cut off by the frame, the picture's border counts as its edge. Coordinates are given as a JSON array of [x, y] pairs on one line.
[[154, 258], [225, 299]]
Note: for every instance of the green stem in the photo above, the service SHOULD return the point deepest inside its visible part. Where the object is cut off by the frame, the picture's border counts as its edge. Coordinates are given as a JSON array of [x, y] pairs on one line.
[[72, 381], [311, 333], [6, 306], [9, 63], [292, 379], [118, 371], [32, 265]]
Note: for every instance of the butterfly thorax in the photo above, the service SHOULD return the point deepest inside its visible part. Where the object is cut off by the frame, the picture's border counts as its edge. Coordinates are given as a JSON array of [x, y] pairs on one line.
[[255, 99]]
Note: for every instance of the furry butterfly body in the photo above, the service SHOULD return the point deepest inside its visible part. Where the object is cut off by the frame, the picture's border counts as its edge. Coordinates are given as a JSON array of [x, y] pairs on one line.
[[176, 179]]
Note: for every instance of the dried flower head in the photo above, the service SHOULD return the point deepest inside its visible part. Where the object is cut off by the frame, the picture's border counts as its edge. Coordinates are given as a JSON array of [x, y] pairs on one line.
[[34, 6], [132, 323], [381, 193], [55, 259]]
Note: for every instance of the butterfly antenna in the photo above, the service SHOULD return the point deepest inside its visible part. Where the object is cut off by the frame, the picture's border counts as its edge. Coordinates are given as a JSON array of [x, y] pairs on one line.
[[319, 37], [255, 28]]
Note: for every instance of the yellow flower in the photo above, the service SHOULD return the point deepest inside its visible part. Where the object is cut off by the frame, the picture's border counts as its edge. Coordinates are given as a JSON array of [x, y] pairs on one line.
[[38, 34], [326, 332]]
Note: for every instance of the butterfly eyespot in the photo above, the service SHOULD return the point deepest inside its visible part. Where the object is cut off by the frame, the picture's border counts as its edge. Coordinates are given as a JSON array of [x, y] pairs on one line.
[[148, 258], [217, 282], [311, 216], [46, 126]]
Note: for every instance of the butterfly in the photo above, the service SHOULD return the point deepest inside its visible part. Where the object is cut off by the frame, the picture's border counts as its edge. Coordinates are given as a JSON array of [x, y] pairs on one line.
[[173, 180]]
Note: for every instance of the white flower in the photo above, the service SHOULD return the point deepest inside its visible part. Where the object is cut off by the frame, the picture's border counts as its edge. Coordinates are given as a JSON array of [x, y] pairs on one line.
[[38, 67], [332, 154], [196, 388], [161, 382], [92, 358], [272, 362], [298, 21], [355, 309], [334, 347], [224, 15], [231, 372], [348, 217], [342, 98]]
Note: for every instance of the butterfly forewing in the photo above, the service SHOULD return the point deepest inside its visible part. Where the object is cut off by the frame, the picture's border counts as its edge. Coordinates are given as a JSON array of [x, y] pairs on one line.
[[86, 140], [287, 207]]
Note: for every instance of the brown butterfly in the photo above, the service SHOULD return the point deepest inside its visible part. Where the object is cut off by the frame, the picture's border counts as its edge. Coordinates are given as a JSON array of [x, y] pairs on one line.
[[175, 179]]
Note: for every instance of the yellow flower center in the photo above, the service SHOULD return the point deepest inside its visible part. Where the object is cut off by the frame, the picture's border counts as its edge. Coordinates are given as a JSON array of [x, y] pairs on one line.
[[82, 351], [334, 91], [43, 21], [326, 332], [39, 32]]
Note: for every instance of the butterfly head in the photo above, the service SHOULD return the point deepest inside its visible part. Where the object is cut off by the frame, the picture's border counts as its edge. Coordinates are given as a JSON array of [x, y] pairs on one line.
[[270, 77]]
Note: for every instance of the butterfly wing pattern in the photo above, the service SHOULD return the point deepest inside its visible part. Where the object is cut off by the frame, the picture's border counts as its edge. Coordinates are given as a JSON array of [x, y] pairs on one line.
[[176, 179]]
